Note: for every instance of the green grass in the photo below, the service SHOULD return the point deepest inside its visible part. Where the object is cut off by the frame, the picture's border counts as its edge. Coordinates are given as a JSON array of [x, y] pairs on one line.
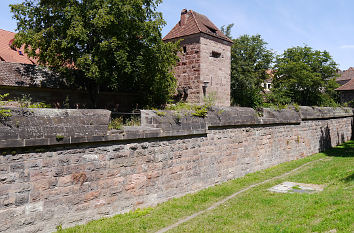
[[256, 210]]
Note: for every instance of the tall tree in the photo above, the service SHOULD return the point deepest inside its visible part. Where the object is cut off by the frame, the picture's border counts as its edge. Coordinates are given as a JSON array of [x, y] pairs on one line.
[[305, 76], [104, 44], [250, 59]]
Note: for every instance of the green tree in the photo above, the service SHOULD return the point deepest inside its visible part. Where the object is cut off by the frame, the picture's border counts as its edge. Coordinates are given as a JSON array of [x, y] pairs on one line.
[[102, 44], [227, 30], [306, 77], [250, 59]]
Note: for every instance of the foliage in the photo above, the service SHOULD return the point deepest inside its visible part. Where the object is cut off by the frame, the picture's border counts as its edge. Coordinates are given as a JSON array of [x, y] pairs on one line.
[[116, 123], [200, 111], [209, 100], [4, 113], [296, 107], [349, 104], [306, 77], [196, 110], [250, 59], [133, 121], [26, 102], [119, 122], [101, 45], [227, 30], [59, 137], [159, 113], [39, 105], [59, 227], [180, 106]]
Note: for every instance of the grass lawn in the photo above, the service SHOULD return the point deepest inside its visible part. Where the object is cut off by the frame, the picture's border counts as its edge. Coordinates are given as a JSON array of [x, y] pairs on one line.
[[257, 210]]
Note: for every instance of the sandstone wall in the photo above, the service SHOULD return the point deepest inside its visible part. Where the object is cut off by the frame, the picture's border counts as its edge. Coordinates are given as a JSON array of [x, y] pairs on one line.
[[216, 68], [169, 156], [187, 70]]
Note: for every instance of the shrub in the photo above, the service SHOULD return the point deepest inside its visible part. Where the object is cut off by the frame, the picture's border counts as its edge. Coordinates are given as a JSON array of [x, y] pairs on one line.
[[4, 113]]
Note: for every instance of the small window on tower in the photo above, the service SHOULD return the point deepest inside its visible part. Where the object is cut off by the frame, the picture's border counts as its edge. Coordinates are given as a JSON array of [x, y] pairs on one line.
[[215, 54], [184, 49]]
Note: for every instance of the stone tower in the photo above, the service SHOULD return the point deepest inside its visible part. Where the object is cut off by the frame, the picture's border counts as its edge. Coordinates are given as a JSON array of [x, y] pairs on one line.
[[205, 59]]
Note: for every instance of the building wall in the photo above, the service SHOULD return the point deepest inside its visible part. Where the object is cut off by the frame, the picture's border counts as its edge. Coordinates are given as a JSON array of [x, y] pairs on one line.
[[64, 98], [198, 65], [346, 96], [187, 70], [72, 183], [216, 70]]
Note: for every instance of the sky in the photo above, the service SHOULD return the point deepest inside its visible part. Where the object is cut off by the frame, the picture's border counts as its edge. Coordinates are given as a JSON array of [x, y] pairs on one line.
[[320, 24]]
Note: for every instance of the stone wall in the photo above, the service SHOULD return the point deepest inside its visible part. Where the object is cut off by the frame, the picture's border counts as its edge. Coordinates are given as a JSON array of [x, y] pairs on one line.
[[30, 127], [216, 68], [172, 154], [187, 70]]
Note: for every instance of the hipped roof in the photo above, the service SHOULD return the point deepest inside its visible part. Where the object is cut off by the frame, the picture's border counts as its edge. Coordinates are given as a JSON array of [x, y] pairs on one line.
[[347, 75], [195, 23]]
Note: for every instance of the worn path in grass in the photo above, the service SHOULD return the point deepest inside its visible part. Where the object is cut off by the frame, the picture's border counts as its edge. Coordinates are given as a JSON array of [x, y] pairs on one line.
[[245, 205], [234, 195]]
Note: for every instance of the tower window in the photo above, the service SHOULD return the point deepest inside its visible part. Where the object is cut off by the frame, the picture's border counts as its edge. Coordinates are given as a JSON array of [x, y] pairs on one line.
[[215, 54], [184, 49]]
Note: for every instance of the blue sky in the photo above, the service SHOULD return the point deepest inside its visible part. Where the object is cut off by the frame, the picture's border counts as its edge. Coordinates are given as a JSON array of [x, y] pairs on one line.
[[320, 24]]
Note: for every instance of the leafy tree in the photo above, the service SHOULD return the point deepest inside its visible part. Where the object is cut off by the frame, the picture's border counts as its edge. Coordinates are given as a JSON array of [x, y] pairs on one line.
[[306, 77], [227, 30], [250, 59], [103, 44]]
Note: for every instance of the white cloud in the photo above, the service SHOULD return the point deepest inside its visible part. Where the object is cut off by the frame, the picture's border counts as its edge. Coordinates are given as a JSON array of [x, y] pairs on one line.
[[347, 46]]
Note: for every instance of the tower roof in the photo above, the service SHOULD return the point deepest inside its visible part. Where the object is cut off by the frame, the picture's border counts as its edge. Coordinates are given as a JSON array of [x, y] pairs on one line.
[[191, 23]]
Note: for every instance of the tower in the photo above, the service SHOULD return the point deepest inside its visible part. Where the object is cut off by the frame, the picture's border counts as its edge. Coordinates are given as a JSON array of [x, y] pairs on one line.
[[205, 59]]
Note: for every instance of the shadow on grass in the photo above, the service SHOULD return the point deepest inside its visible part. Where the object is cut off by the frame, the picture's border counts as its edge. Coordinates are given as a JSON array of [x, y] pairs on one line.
[[348, 179], [344, 150]]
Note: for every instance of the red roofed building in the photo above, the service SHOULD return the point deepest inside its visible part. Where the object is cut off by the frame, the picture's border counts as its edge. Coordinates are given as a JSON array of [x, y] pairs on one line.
[[9, 54], [345, 76], [205, 60], [347, 81]]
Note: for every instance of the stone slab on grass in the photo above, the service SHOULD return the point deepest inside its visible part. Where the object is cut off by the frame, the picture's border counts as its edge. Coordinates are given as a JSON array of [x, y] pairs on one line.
[[292, 187]]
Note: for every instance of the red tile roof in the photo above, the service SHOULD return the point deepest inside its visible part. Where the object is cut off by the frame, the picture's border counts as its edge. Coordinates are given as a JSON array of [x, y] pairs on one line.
[[193, 23], [346, 75], [8, 54], [349, 86]]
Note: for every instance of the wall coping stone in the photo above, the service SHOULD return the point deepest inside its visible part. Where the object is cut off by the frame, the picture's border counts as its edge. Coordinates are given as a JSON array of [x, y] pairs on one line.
[[311, 113], [168, 124]]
